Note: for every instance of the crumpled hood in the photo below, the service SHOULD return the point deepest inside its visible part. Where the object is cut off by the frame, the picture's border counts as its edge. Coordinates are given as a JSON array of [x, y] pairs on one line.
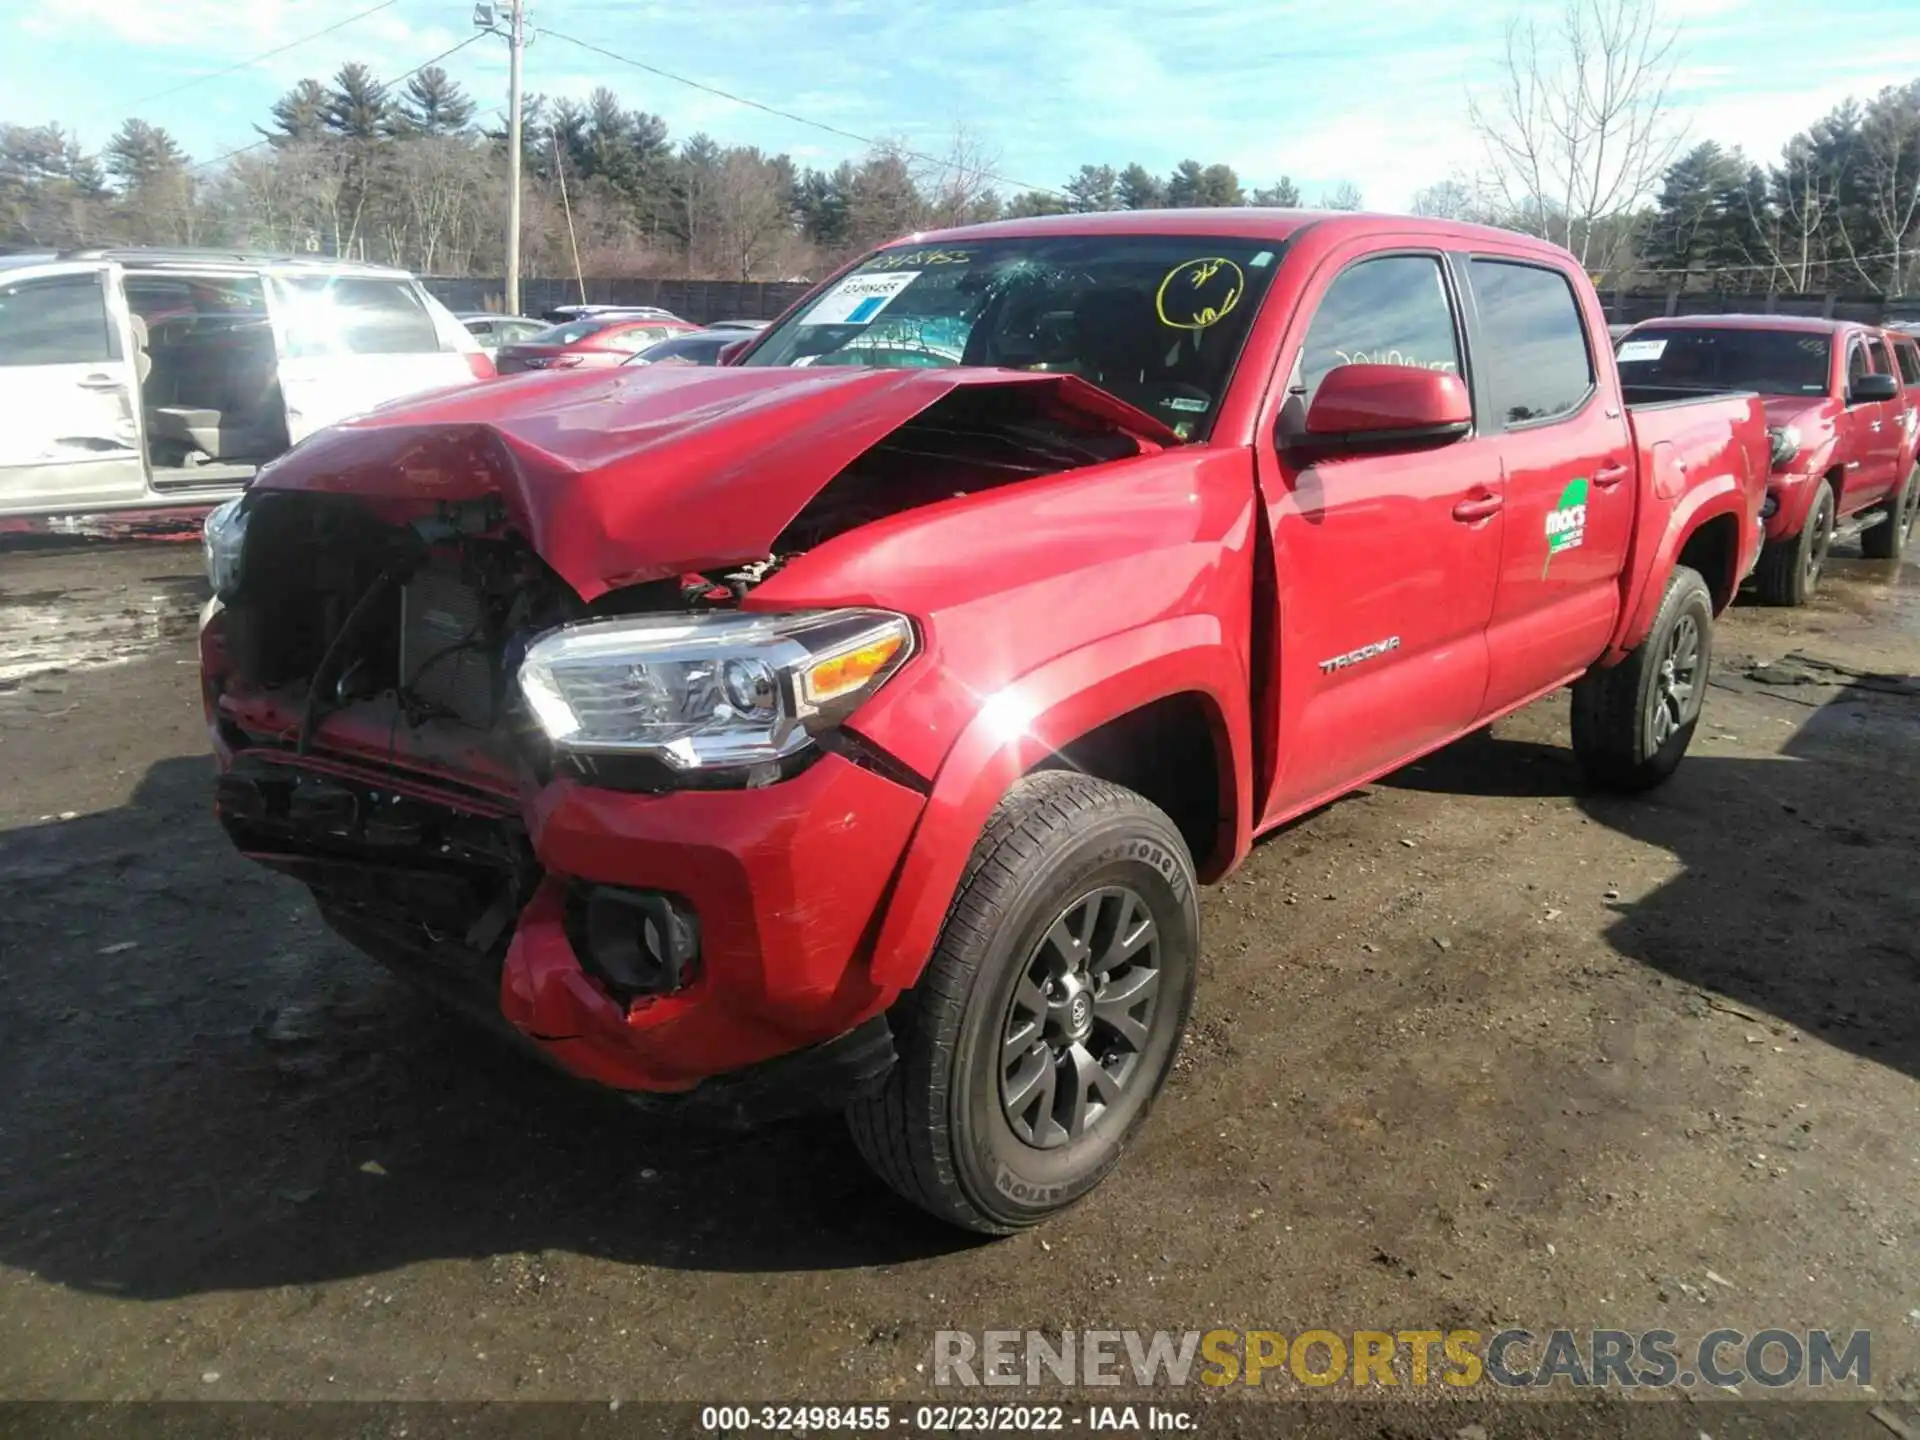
[[641, 473]]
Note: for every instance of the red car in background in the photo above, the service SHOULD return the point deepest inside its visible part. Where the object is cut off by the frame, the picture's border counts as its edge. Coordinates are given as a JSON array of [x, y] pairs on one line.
[[591, 342], [1843, 441]]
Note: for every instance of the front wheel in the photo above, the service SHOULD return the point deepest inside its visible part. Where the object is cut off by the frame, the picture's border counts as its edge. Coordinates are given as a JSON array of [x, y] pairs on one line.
[[1789, 570], [1889, 539], [1632, 723], [1048, 1018]]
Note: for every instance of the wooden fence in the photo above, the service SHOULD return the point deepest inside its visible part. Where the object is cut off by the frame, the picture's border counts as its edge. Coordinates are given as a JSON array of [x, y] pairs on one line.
[[702, 301]]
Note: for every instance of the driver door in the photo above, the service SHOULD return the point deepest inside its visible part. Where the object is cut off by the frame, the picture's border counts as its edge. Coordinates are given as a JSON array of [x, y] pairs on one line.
[[69, 375], [1385, 563]]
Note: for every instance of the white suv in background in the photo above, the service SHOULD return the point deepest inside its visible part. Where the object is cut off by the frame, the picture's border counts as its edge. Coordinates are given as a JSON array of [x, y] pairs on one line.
[[155, 379]]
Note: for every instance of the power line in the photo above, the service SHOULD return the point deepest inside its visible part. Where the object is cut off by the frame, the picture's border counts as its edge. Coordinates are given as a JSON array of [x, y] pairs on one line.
[[866, 140], [385, 84], [254, 60]]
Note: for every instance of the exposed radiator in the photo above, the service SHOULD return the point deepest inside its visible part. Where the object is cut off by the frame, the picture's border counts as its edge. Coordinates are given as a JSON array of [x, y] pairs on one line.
[[446, 652]]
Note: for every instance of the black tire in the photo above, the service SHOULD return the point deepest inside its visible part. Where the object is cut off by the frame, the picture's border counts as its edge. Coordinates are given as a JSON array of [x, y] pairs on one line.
[[1632, 723], [1889, 539], [941, 1130], [1789, 570]]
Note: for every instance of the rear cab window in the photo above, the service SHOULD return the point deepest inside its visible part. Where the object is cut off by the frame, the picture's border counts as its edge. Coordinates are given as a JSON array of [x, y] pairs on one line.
[[356, 315], [56, 320], [1534, 346], [1907, 355]]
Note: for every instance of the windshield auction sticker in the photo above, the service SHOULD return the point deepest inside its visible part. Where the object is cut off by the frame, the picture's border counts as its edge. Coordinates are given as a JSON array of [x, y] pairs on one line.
[[1642, 350], [857, 299]]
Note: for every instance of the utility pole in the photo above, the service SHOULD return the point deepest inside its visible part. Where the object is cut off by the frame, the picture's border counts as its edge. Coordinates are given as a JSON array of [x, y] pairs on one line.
[[486, 17], [516, 43]]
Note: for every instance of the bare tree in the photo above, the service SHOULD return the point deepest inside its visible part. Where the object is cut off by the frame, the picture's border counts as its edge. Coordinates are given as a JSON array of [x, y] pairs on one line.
[[752, 216], [1889, 177], [1578, 131], [958, 188], [1447, 200], [1344, 196]]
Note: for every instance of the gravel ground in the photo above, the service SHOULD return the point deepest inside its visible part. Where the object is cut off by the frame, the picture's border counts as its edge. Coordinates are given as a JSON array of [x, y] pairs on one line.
[[1473, 1047]]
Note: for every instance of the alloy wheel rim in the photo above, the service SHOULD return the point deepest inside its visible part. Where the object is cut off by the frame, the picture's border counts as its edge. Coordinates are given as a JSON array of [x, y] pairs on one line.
[[1080, 1018], [1678, 688], [1911, 510], [1822, 540]]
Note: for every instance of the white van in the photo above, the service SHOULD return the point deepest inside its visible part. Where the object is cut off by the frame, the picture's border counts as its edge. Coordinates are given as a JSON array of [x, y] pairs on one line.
[[155, 379]]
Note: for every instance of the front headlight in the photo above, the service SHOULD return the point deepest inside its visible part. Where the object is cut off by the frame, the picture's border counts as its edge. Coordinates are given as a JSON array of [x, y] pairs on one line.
[[709, 693], [225, 536], [1786, 445]]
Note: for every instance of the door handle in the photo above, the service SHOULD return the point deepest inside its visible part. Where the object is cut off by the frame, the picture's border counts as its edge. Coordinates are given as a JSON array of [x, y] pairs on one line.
[[1608, 476], [1477, 507], [100, 382]]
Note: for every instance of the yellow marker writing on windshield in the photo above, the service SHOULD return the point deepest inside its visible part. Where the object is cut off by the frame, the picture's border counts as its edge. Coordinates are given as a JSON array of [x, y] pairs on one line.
[[1199, 292]]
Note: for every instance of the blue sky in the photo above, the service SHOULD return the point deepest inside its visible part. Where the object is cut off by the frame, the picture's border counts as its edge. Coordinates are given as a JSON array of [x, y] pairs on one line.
[[1372, 93]]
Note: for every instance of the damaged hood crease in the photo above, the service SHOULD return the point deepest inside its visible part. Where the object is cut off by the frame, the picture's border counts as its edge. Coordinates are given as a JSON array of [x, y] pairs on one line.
[[621, 477]]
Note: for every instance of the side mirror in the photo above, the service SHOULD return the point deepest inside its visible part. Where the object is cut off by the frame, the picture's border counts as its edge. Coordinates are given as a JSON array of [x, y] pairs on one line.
[[734, 349], [1871, 388], [1387, 406]]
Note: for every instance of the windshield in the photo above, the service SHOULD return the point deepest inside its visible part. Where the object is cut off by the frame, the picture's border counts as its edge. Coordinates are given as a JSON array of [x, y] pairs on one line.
[[1157, 320], [570, 333], [699, 349], [1773, 362]]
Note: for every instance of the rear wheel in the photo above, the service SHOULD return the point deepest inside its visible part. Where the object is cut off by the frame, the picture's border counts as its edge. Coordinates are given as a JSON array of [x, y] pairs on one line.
[[1889, 539], [1789, 570], [1632, 723], [1048, 1018]]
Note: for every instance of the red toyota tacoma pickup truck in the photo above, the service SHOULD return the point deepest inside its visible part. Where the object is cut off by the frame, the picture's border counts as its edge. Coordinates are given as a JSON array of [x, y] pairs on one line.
[[852, 724], [1843, 429]]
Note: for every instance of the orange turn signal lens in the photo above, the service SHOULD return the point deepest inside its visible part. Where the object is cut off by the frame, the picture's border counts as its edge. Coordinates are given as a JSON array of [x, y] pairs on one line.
[[842, 674]]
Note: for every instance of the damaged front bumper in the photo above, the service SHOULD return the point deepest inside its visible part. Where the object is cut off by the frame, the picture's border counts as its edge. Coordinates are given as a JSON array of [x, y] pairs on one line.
[[482, 890]]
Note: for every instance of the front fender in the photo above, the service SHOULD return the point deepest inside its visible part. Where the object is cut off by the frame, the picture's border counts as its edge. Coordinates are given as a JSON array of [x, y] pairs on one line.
[[1024, 723]]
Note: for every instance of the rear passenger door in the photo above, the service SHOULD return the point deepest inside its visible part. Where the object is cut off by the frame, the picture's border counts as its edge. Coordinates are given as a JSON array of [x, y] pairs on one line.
[[1383, 562], [1906, 358], [1568, 469]]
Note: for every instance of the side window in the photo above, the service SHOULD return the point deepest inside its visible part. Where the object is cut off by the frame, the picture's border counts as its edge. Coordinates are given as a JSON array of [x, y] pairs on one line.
[[1389, 311], [1882, 364], [1537, 359], [58, 320], [356, 315], [1909, 358], [1857, 362]]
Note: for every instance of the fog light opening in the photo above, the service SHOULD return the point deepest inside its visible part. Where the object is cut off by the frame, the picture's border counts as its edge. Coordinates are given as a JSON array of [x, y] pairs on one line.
[[638, 942]]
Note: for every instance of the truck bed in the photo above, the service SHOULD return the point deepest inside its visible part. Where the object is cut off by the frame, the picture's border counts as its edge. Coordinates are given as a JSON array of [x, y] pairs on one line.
[[1697, 452]]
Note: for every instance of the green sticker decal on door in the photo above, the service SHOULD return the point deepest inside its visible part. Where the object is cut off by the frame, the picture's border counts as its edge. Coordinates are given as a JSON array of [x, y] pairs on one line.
[[1567, 522]]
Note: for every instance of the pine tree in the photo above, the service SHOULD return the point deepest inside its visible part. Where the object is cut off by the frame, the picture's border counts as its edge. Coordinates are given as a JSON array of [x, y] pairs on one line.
[[358, 108], [1095, 187], [141, 155], [1283, 194], [299, 116], [1139, 189], [434, 104]]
